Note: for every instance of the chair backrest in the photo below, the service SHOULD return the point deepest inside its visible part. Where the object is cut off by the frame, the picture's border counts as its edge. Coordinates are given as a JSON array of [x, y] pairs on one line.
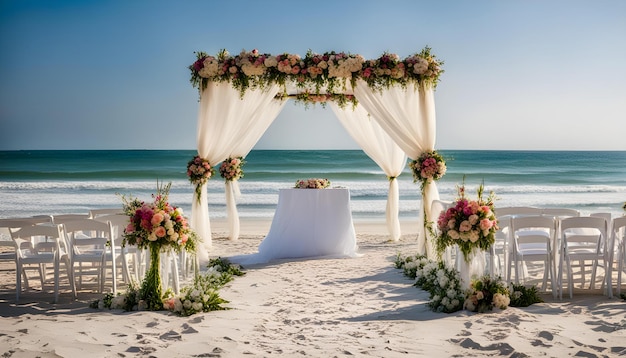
[[517, 210], [584, 230], [94, 213], [53, 234], [8, 225], [62, 218], [560, 212], [87, 233], [618, 230], [534, 229], [118, 223]]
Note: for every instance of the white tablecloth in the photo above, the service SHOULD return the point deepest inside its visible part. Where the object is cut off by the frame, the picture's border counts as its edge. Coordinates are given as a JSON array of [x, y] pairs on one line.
[[308, 223]]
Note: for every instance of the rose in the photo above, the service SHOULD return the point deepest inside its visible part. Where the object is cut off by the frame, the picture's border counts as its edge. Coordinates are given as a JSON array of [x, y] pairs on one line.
[[486, 224], [156, 219], [160, 231]]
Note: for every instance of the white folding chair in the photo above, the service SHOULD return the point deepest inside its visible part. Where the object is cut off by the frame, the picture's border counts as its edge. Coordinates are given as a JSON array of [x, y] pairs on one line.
[[91, 245], [533, 240], [504, 237], [52, 251], [583, 238], [7, 244], [127, 256], [618, 238]]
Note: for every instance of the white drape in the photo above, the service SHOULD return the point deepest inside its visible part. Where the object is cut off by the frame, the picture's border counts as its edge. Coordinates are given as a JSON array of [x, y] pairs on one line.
[[377, 144], [408, 116], [228, 125]]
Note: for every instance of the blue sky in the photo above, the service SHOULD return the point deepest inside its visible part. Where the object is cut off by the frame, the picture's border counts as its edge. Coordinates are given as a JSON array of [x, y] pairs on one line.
[[533, 74]]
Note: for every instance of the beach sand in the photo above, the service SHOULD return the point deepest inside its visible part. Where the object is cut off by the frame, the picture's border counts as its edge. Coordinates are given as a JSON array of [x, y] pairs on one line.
[[361, 307]]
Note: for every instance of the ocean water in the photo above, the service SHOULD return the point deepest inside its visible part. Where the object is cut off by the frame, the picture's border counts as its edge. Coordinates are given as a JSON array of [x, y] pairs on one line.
[[58, 182]]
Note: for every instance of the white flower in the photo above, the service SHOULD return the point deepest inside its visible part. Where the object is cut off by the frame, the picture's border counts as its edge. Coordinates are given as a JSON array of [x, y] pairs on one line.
[[195, 294], [197, 306], [501, 301], [187, 304], [469, 305], [270, 61], [443, 282], [451, 293]]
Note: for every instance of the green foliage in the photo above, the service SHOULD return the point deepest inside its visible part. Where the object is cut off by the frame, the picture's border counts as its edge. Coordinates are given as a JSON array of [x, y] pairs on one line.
[[522, 296]]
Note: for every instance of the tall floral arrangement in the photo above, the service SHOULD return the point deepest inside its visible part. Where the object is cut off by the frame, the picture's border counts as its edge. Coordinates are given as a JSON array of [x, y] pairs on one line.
[[199, 171], [157, 226], [428, 167], [232, 169], [470, 224]]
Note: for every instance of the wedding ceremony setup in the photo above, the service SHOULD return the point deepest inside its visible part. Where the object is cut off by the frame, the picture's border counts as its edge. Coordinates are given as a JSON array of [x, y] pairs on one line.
[[386, 104], [481, 276]]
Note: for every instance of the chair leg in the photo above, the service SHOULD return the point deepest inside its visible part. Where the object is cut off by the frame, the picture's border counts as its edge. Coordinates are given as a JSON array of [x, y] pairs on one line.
[[546, 271], [594, 268], [570, 278], [56, 282], [18, 282], [70, 277]]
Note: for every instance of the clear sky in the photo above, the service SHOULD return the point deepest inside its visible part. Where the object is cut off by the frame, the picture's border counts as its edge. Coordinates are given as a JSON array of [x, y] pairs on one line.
[[532, 74]]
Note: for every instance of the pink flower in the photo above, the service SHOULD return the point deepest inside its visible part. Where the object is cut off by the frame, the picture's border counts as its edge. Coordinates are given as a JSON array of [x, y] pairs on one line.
[[160, 231], [465, 226], [486, 224], [156, 219]]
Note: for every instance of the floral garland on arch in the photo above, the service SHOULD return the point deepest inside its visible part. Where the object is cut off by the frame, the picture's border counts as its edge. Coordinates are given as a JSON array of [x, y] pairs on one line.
[[341, 99], [428, 167], [329, 71], [470, 224], [199, 171], [232, 168]]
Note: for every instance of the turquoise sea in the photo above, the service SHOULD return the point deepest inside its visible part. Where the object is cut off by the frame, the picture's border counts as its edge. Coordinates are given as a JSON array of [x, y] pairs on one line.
[[74, 181]]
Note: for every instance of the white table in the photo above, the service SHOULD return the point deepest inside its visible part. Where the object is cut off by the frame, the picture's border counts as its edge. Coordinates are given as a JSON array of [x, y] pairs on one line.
[[310, 223]]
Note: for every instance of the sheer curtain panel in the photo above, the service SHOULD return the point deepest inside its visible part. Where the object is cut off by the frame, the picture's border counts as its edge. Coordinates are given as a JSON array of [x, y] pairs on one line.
[[408, 116], [227, 125], [381, 149]]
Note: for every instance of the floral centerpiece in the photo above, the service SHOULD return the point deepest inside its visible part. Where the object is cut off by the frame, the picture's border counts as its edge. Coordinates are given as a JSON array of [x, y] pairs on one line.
[[428, 167], [157, 226], [232, 169], [313, 183], [487, 293], [199, 172], [470, 224]]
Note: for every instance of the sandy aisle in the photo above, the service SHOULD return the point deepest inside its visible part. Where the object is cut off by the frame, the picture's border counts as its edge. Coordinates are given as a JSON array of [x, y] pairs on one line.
[[319, 308]]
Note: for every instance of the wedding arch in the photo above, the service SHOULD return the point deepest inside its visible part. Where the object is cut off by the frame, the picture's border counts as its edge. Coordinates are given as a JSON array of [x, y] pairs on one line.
[[386, 104]]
